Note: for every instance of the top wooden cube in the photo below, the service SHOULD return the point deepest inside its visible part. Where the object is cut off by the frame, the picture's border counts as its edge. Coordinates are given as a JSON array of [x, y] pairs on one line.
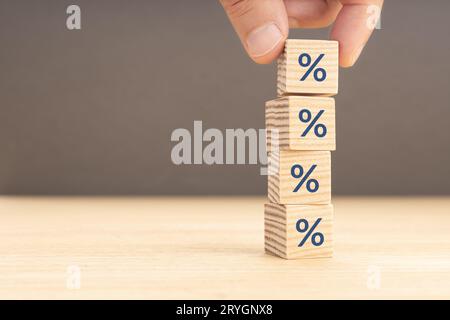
[[309, 67]]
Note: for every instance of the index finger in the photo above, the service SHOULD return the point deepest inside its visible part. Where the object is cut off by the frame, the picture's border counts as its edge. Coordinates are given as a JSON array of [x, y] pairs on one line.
[[353, 27]]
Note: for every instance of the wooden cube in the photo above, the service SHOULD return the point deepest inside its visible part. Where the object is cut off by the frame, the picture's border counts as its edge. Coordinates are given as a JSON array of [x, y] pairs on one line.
[[309, 67], [299, 177], [302, 123], [298, 231]]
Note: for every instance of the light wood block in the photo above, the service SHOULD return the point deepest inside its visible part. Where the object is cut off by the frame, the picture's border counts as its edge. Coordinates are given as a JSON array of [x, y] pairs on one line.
[[287, 236], [294, 78], [284, 188], [302, 123]]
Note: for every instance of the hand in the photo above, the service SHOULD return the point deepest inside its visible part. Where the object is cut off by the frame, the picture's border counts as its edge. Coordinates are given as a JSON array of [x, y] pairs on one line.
[[263, 25]]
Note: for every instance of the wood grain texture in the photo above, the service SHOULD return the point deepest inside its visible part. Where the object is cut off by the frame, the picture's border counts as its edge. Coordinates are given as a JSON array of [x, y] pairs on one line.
[[282, 238], [290, 72], [281, 184], [213, 248], [283, 115]]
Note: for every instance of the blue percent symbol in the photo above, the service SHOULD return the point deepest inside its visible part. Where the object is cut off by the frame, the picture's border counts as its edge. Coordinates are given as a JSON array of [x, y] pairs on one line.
[[305, 116], [305, 61], [312, 185], [302, 226]]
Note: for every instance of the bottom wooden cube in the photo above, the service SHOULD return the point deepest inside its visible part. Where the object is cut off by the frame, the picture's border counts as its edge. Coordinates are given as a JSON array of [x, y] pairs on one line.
[[298, 231]]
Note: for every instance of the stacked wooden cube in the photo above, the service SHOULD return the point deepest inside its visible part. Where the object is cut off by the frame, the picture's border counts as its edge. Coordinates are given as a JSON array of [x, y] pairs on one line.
[[301, 134]]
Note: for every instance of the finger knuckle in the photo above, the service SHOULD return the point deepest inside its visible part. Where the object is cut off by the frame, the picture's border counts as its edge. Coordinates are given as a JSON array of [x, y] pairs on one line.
[[237, 8]]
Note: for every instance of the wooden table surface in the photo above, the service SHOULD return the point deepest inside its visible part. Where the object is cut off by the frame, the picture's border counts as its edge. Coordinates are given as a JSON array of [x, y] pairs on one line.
[[212, 248]]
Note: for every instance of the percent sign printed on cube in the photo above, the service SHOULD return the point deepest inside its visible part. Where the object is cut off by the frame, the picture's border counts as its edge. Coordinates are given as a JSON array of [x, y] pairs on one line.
[[309, 67], [302, 123], [299, 177], [298, 231]]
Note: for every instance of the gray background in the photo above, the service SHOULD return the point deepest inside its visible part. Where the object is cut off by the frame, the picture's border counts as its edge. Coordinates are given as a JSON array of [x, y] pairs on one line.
[[92, 111]]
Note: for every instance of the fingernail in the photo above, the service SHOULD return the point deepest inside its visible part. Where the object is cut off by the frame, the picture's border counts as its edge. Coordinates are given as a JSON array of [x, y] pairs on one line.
[[356, 54], [263, 39]]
